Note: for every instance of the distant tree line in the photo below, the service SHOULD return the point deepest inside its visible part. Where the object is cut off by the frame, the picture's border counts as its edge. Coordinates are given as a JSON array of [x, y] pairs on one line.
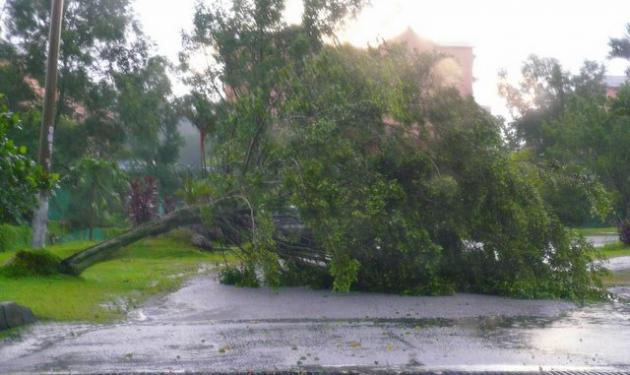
[[571, 138], [116, 116]]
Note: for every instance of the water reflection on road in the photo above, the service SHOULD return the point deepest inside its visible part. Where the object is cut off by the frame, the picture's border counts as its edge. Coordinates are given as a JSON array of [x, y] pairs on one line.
[[600, 332]]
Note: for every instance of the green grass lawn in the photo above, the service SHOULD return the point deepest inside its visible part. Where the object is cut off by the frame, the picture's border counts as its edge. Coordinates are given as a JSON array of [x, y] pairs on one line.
[[594, 231], [611, 250], [615, 250], [134, 273], [621, 278]]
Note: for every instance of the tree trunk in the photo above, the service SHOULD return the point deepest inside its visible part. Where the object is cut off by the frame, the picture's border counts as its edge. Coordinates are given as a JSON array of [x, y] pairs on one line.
[[229, 223], [40, 220], [40, 216], [78, 262]]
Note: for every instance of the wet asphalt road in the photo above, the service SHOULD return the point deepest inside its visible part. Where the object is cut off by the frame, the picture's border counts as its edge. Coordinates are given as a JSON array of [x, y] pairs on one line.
[[211, 327], [206, 326]]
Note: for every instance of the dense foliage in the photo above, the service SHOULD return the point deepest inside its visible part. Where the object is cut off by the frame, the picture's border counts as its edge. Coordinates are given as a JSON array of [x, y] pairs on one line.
[[95, 187], [576, 137], [411, 187], [546, 94], [115, 101], [19, 177], [386, 178], [403, 185], [31, 263], [13, 237]]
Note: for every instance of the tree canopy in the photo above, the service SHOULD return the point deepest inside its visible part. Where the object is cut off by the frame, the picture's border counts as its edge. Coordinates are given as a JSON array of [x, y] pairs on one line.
[[389, 179], [19, 176], [402, 184], [113, 92], [115, 100], [620, 47], [552, 153]]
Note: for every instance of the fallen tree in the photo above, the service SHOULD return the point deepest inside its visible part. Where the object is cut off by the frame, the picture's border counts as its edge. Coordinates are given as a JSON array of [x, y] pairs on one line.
[[78, 262], [391, 173], [229, 226]]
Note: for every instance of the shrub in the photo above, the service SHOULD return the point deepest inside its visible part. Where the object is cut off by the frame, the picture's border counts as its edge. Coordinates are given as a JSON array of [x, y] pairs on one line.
[[32, 263], [623, 228], [240, 276], [13, 237], [300, 274]]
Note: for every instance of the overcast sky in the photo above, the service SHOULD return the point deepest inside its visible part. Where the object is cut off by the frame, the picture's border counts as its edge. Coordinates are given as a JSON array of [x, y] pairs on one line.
[[502, 32]]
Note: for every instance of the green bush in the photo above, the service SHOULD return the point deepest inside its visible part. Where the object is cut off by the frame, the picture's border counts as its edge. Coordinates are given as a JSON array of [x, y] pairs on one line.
[[239, 276], [13, 237], [623, 228], [32, 263], [19, 175], [302, 274]]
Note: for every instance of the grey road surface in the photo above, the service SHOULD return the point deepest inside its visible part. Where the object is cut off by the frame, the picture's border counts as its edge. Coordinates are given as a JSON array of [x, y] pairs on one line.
[[206, 326]]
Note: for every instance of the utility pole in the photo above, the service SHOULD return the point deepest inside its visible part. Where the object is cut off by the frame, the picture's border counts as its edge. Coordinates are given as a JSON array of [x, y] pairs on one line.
[[40, 217]]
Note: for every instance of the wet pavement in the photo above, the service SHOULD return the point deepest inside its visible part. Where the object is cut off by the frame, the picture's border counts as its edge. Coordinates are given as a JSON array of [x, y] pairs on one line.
[[601, 240], [206, 326], [617, 264], [612, 264]]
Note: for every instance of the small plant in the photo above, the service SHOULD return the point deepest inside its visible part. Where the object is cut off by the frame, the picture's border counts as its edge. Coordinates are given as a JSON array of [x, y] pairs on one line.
[[242, 277], [623, 228], [142, 200], [32, 263], [194, 191]]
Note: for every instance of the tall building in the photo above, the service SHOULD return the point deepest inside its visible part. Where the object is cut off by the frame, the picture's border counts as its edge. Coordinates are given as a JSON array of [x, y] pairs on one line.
[[456, 68]]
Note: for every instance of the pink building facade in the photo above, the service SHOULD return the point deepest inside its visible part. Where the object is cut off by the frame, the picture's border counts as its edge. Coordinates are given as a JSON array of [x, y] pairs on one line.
[[456, 68]]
